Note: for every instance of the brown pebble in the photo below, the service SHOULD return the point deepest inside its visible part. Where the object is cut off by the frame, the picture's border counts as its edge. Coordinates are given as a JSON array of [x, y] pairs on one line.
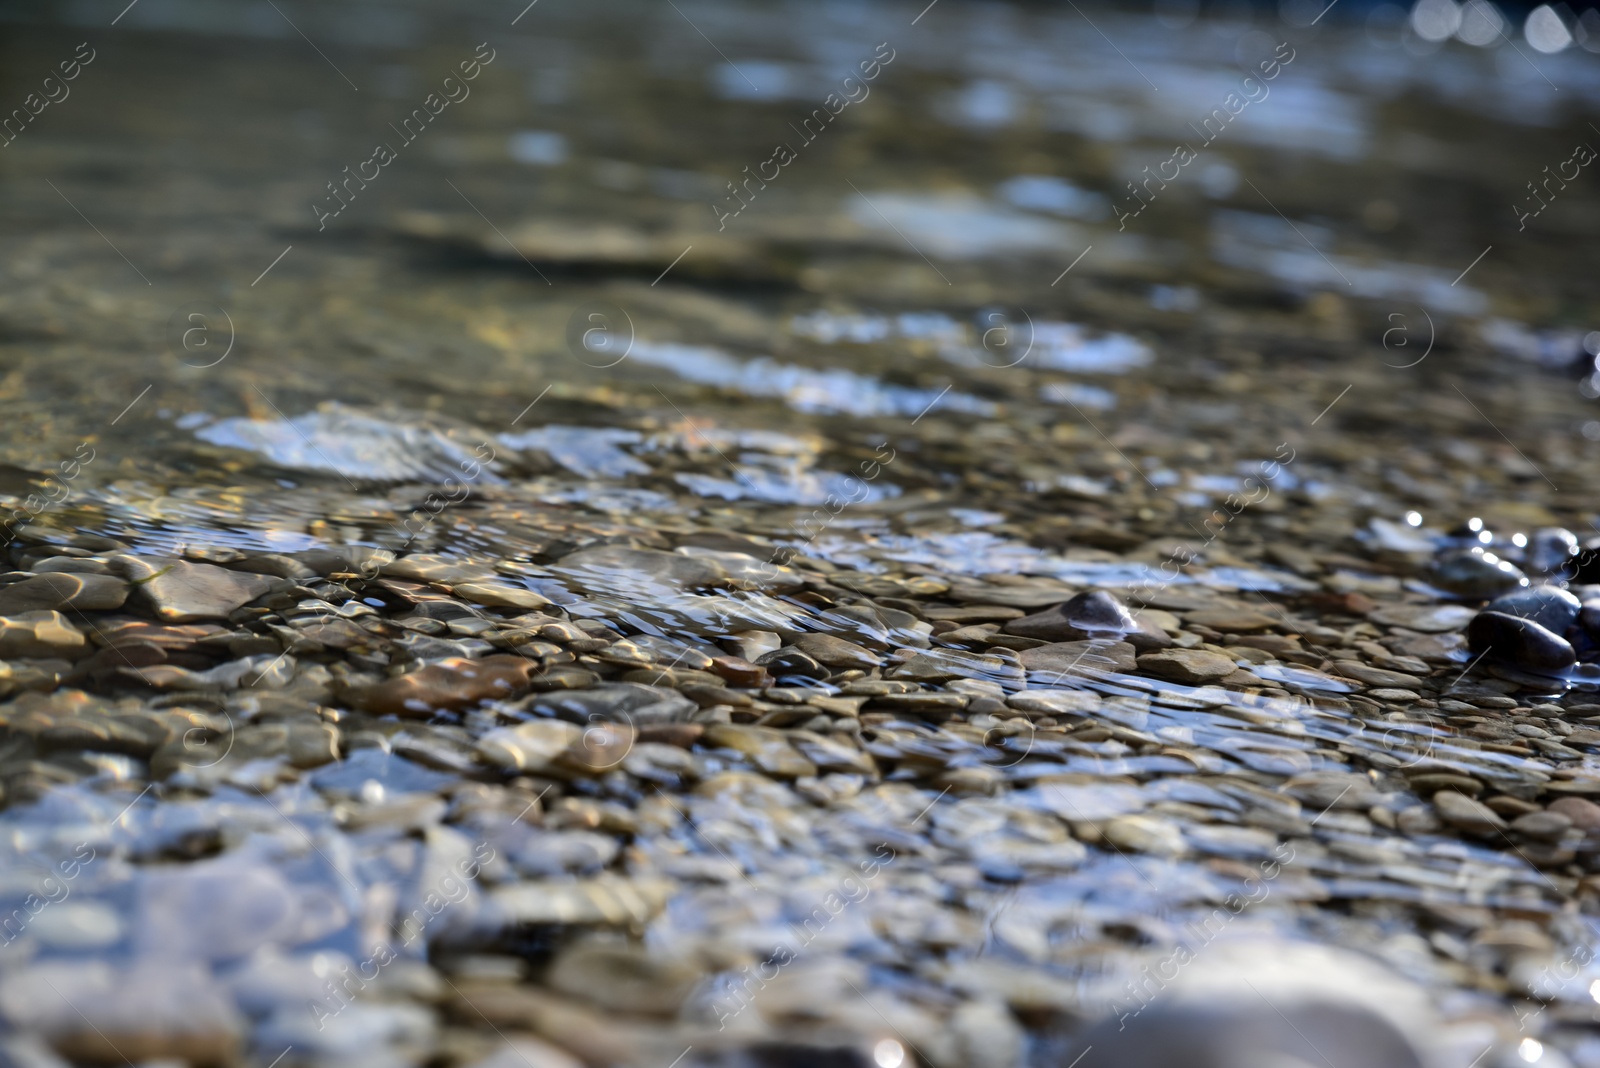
[[682, 735], [1585, 815], [740, 672], [447, 686]]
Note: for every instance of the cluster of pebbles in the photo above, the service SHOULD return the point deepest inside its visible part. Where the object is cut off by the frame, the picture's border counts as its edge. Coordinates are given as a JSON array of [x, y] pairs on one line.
[[626, 802]]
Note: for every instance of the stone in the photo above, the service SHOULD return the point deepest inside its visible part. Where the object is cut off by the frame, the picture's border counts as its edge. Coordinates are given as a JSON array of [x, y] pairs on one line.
[[500, 595], [87, 593], [530, 746], [836, 652], [1195, 667], [1552, 607], [1520, 642], [1145, 834], [1231, 1034], [526, 1051], [1585, 815], [599, 569], [451, 685], [601, 747], [418, 567], [1548, 826], [179, 591], [753, 644], [603, 900], [767, 748], [1232, 620], [1045, 702], [1475, 575], [1374, 676], [371, 775], [1084, 616], [217, 910], [1086, 802], [151, 1010], [622, 978], [1427, 618], [618, 702], [791, 663], [39, 634], [1551, 550], [1085, 658], [1461, 811]]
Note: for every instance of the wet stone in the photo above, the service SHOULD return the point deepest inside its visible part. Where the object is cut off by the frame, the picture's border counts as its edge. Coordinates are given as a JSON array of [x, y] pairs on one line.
[[60, 590], [1463, 812], [1585, 815], [373, 774], [1475, 575], [792, 663], [1085, 658], [500, 595], [623, 979], [1427, 618], [599, 569], [1552, 607], [451, 685], [95, 1012], [1095, 614], [1232, 620], [1192, 666], [1520, 642], [836, 652], [1374, 676], [183, 592], [625, 702], [1548, 826], [1240, 1034], [40, 634]]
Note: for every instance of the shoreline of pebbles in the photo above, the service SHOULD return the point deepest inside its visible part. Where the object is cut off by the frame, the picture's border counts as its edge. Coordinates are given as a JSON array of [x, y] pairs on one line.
[[1031, 774]]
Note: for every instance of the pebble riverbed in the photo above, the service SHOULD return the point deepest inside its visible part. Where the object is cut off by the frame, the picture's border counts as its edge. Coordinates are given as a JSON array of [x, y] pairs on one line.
[[852, 632]]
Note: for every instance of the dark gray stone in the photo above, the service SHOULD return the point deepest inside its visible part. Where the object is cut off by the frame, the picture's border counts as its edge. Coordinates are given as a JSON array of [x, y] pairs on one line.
[[1475, 575], [1318, 1033], [1519, 642], [1549, 606]]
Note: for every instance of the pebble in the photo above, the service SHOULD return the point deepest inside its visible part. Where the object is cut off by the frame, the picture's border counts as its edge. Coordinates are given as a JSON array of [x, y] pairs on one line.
[[527, 1051], [1232, 620], [599, 569], [500, 595], [836, 652], [59, 590], [451, 685], [1092, 614], [1551, 549], [1585, 815], [1085, 658], [530, 746], [96, 1012], [1145, 834], [1427, 618], [1474, 817], [622, 702], [1195, 667], [1520, 642], [39, 634], [1549, 825], [622, 978], [1233, 1035], [1549, 606], [183, 592], [1475, 575]]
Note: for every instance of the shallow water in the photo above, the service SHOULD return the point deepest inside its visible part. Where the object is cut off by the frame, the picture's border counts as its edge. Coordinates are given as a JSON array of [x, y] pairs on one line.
[[942, 369]]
